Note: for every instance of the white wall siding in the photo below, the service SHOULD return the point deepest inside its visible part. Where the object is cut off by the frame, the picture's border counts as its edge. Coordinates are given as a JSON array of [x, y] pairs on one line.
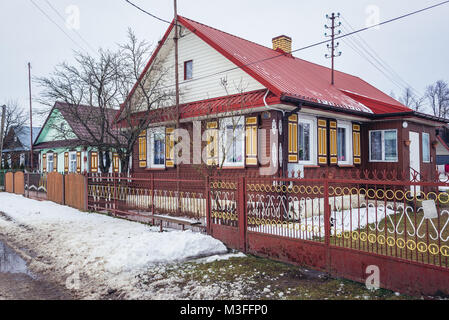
[[206, 61]]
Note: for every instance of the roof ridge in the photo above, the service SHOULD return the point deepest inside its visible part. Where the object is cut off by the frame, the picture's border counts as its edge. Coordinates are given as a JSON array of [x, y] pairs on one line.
[[230, 34]]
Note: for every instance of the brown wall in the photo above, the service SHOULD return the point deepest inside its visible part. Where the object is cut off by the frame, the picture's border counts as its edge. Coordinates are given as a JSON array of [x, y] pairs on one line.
[[402, 165], [193, 171]]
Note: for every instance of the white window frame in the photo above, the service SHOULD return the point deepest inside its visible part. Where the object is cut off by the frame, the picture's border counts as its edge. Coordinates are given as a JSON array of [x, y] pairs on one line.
[[428, 147], [52, 162], [72, 153], [222, 139], [312, 121], [150, 147], [383, 146], [349, 151]]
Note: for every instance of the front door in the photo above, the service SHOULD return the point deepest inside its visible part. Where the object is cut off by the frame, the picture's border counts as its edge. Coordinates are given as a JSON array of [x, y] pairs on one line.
[[414, 160]]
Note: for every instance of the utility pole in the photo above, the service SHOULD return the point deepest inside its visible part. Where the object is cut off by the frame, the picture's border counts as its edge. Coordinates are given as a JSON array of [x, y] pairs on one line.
[[333, 46], [31, 119], [2, 128], [176, 39]]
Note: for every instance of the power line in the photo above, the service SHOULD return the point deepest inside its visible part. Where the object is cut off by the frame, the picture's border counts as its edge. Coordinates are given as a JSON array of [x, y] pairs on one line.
[[57, 25], [63, 19], [148, 13], [306, 47], [362, 44]]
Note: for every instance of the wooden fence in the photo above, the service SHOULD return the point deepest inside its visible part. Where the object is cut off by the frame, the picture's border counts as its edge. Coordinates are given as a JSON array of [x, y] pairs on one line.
[[55, 187], [75, 191], [68, 189], [9, 182]]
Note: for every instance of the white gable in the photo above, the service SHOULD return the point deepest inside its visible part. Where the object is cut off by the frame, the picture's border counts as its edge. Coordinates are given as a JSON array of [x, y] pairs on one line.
[[206, 61]]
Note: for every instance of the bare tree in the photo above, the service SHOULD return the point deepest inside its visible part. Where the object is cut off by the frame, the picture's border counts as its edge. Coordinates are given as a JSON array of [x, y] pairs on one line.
[[15, 117], [105, 82], [438, 96], [411, 100]]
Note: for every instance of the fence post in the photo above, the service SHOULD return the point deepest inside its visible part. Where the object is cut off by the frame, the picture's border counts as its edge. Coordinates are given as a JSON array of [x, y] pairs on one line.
[[86, 194], [152, 197], [327, 224], [13, 183], [207, 195], [242, 212], [63, 189]]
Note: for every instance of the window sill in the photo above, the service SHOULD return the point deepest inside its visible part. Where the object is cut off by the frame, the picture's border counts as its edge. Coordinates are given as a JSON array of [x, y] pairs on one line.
[[231, 167], [311, 166], [346, 166], [155, 169]]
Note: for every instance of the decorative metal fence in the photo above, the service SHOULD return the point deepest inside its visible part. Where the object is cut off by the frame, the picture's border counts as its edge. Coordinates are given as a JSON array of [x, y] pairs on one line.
[[142, 198], [342, 224]]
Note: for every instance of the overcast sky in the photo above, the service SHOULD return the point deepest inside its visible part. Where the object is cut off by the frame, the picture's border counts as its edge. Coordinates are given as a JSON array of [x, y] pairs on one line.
[[415, 48]]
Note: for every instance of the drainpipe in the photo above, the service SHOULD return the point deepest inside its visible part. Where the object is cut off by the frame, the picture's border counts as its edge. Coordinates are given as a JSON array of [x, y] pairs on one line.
[[271, 108]]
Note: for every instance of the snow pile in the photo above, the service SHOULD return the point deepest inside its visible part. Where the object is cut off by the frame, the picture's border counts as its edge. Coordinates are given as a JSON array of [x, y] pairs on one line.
[[98, 247]]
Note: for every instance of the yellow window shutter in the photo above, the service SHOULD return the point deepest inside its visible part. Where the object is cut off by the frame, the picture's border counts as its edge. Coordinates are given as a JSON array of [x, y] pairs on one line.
[[251, 141], [333, 145], [94, 162], [115, 162], [212, 143], [44, 163], [55, 162], [322, 141], [356, 143], [66, 162], [143, 149], [293, 139], [170, 147], [78, 162]]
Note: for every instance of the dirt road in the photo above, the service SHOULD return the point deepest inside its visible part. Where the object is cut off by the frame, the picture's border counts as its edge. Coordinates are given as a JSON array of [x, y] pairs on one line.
[[17, 283]]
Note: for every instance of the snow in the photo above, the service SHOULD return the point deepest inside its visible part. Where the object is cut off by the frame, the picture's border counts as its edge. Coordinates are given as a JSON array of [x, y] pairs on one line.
[[342, 221], [102, 249]]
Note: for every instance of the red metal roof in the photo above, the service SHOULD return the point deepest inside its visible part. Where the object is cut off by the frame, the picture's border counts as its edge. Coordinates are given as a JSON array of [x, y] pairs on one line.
[[287, 75]]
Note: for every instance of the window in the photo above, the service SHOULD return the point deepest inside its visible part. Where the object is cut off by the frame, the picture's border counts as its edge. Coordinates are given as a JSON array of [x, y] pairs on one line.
[[72, 162], [344, 143], [383, 146], [426, 147], [188, 70], [306, 140], [156, 148], [50, 162], [232, 142]]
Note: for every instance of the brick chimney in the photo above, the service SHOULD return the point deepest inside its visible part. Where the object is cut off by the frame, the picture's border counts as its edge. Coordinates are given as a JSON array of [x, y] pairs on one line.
[[283, 43]]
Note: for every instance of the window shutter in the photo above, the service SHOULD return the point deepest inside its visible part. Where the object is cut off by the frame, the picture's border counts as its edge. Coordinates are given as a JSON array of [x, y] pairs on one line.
[[94, 162], [115, 162], [356, 143], [212, 143], [143, 149], [322, 141], [333, 145], [170, 147], [66, 162], [251, 141], [293, 139], [44, 162], [55, 162], [78, 162]]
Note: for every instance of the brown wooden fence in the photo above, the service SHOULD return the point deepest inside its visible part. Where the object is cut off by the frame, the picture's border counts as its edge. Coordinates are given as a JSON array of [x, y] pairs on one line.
[[9, 182], [75, 191], [55, 187], [19, 183]]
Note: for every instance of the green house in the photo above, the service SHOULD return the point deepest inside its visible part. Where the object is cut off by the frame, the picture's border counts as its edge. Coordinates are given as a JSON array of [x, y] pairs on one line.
[[61, 142]]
